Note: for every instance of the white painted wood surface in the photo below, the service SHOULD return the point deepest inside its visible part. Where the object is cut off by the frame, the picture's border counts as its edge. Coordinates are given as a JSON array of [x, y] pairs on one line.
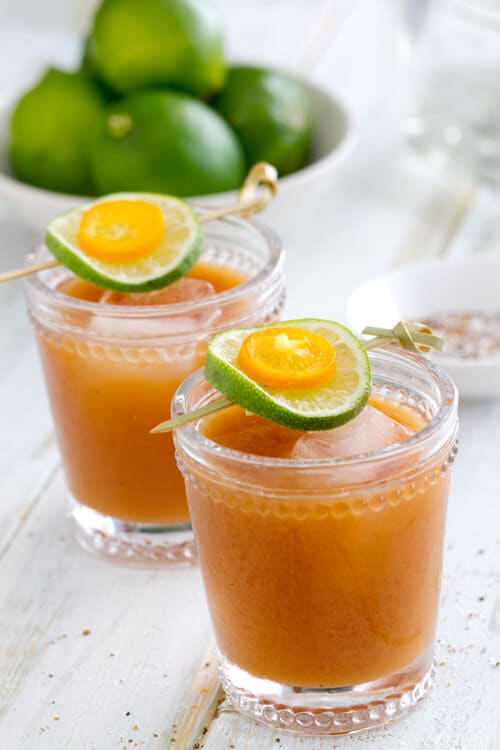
[[124, 683]]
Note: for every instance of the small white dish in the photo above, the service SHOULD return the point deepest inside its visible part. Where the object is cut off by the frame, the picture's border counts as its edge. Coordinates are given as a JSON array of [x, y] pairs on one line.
[[422, 290], [35, 207]]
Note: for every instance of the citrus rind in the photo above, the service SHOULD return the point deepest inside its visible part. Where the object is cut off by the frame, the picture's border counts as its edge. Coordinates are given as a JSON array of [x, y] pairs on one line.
[[322, 407], [170, 260]]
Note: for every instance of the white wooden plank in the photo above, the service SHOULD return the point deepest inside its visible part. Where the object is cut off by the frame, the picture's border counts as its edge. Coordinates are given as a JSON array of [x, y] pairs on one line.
[[148, 631], [363, 57], [269, 31], [27, 449]]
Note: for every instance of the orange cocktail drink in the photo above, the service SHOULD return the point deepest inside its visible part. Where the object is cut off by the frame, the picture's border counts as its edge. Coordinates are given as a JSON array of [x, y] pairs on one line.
[[321, 552], [112, 362]]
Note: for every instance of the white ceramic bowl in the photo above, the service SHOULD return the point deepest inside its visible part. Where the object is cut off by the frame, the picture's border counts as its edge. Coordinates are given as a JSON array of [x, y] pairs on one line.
[[332, 135], [419, 291]]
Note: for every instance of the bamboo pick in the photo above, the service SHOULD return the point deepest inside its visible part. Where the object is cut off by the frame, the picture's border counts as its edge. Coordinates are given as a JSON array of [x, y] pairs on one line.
[[190, 416], [199, 706], [28, 270], [412, 336], [261, 184]]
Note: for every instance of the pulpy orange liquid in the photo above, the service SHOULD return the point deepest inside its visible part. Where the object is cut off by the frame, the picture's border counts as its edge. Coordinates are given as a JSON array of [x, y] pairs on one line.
[[105, 400], [112, 361], [327, 592]]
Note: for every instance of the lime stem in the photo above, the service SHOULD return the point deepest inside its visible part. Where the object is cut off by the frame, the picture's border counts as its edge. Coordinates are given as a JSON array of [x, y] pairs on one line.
[[191, 416]]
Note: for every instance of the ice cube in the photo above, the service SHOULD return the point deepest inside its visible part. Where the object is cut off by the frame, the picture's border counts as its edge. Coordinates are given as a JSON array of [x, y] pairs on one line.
[[370, 431], [249, 433], [183, 290]]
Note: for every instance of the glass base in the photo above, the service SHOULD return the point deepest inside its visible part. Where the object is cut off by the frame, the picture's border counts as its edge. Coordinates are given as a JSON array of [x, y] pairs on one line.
[[133, 543], [326, 710]]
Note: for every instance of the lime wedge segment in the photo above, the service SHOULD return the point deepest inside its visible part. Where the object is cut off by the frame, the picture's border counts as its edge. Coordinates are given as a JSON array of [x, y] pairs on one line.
[[321, 407], [172, 258]]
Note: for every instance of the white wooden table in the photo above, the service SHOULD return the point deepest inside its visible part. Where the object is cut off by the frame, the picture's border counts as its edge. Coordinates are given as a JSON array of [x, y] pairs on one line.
[[94, 656]]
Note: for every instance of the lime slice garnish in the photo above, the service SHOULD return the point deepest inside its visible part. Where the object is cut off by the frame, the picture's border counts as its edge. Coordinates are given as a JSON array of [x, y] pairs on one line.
[[173, 255], [329, 404]]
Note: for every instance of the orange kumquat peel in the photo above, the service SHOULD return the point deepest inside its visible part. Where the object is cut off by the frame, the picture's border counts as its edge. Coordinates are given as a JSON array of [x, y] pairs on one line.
[[121, 230], [287, 357]]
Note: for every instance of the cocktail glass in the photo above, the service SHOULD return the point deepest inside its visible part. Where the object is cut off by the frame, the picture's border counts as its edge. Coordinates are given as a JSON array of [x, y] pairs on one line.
[[323, 574], [111, 370]]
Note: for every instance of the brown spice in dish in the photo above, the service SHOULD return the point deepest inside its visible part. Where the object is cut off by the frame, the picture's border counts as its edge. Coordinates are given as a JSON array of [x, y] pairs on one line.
[[469, 335]]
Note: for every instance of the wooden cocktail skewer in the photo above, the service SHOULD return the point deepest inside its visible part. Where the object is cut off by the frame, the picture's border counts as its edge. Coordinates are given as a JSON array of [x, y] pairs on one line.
[[28, 270], [260, 185], [192, 416], [412, 336]]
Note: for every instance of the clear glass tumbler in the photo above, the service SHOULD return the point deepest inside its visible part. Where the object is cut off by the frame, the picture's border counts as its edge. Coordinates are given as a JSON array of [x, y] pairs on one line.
[[453, 84], [111, 371], [323, 575]]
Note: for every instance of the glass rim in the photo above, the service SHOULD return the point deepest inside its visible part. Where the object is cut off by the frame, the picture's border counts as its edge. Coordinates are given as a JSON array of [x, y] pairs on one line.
[[445, 419], [265, 275]]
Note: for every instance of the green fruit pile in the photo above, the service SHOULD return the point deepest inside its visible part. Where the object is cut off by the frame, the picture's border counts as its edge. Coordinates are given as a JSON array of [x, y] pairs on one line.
[[154, 107]]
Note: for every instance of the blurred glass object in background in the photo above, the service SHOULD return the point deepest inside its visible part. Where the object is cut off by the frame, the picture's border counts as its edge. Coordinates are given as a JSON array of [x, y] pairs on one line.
[[452, 111]]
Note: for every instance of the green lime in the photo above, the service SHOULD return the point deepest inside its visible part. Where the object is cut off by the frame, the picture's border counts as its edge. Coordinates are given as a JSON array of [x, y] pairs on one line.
[[172, 257], [165, 142], [88, 68], [50, 130], [330, 404], [174, 43], [271, 114], [87, 65]]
